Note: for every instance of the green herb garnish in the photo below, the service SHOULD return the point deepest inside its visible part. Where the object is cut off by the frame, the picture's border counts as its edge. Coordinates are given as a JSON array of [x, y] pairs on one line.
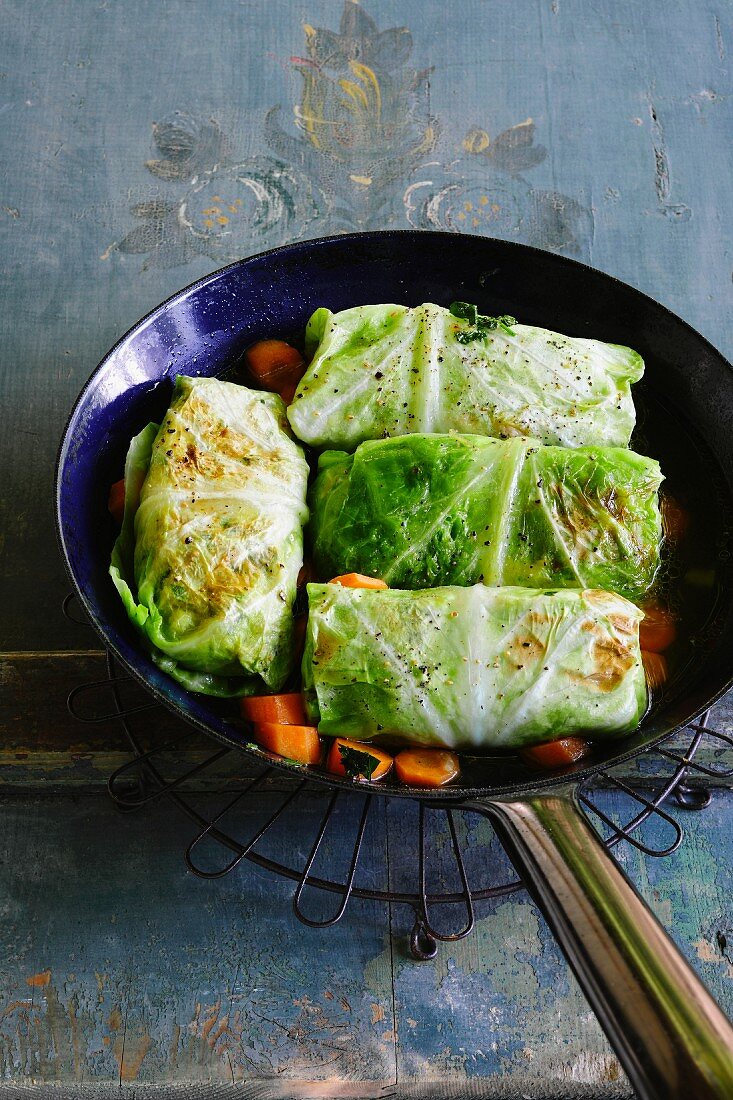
[[358, 765], [466, 311]]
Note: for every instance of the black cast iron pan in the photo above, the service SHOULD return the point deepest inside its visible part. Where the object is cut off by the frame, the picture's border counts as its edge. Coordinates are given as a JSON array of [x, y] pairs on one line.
[[668, 1033]]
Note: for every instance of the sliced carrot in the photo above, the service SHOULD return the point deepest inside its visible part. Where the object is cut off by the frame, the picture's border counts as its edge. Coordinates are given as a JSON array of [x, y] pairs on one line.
[[655, 667], [358, 580], [287, 708], [657, 629], [346, 757], [288, 388], [556, 754], [268, 357], [300, 743], [426, 767], [116, 501], [675, 518], [276, 366]]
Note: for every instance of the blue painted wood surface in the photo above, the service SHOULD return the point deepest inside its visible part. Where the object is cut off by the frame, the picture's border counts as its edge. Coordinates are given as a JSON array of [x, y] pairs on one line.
[[142, 146], [117, 965]]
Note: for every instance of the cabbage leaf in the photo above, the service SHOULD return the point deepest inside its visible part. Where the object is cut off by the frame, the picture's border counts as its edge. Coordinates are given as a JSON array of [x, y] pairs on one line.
[[472, 668], [386, 370], [211, 543], [426, 510]]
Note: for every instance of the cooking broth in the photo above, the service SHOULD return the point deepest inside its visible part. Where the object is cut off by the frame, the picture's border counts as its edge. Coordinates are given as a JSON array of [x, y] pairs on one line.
[[693, 580]]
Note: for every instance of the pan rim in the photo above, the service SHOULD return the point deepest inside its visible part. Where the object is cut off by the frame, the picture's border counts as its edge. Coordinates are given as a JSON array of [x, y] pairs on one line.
[[452, 795]]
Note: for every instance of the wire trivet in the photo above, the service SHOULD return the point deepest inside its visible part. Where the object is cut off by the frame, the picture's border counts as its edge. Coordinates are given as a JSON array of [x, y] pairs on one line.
[[445, 836]]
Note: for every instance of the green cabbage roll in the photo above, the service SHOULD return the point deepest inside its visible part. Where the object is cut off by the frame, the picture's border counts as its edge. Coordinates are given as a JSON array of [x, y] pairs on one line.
[[426, 510], [211, 544], [472, 668], [386, 370]]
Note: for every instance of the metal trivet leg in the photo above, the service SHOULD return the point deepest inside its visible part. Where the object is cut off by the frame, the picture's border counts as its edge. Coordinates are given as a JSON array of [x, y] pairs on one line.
[[423, 946], [692, 798]]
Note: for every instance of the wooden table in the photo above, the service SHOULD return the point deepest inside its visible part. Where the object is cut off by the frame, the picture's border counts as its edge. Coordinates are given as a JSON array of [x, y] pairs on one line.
[[144, 145]]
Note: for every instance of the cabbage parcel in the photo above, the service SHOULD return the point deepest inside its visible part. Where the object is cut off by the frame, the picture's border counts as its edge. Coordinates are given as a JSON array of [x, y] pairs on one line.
[[387, 370], [211, 545], [425, 510], [472, 668]]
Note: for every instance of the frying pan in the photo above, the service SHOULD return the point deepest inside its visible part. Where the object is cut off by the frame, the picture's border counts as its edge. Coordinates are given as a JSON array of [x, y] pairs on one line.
[[669, 1034]]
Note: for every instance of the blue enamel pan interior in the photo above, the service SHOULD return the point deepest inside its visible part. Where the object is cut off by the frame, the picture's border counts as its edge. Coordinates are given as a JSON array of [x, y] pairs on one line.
[[685, 405]]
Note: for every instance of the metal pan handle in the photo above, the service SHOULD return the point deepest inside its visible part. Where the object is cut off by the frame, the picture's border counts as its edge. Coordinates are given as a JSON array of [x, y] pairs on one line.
[[669, 1034]]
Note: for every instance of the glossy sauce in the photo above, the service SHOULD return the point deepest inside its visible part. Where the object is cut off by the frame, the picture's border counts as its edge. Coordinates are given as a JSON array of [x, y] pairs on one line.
[[693, 577]]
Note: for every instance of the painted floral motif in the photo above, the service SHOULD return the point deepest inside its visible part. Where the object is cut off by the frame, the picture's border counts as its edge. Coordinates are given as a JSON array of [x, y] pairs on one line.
[[362, 153], [228, 209]]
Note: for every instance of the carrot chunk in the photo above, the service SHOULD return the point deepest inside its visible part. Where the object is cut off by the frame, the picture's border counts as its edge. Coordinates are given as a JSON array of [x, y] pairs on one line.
[[287, 708], [556, 754], [426, 767], [357, 760], [116, 501], [300, 743], [655, 667], [675, 518], [276, 366], [657, 629], [358, 580], [287, 389]]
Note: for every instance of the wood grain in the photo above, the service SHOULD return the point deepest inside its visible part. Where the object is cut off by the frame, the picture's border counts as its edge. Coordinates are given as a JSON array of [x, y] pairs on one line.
[[147, 974]]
